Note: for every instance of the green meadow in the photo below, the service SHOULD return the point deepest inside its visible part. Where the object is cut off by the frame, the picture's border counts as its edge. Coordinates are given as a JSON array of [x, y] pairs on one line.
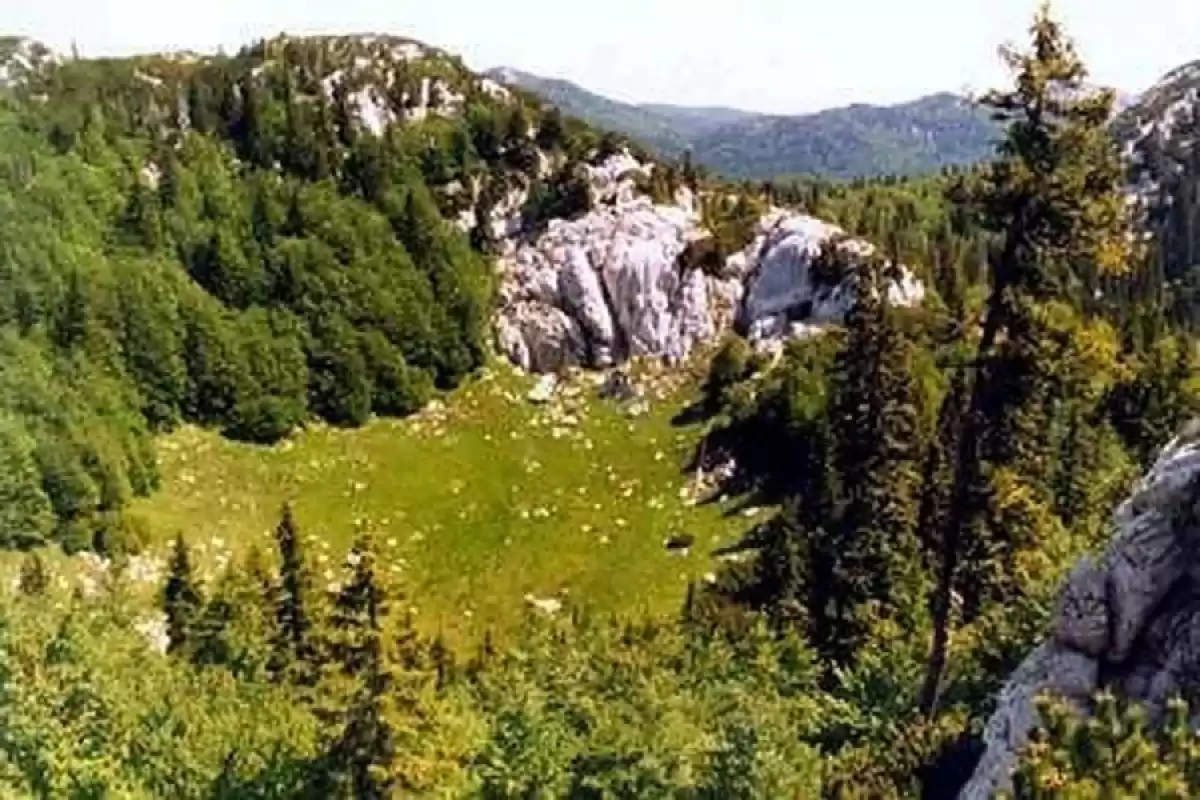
[[486, 504]]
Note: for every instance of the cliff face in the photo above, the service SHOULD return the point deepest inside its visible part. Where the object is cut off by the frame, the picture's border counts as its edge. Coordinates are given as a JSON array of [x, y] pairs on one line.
[[1127, 622]]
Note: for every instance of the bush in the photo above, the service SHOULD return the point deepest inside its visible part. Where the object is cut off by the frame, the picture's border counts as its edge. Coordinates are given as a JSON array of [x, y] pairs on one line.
[[1111, 753], [567, 195], [120, 534], [732, 364]]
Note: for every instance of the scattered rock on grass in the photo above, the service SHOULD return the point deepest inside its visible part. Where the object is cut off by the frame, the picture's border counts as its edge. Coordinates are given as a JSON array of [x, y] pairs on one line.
[[546, 605], [543, 390]]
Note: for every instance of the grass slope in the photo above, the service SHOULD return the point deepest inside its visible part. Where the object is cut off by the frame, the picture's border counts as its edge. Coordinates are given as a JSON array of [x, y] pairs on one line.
[[480, 501]]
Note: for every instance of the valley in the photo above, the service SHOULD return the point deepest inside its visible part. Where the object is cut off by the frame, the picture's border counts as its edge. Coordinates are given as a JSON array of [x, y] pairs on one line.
[[484, 503], [372, 427]]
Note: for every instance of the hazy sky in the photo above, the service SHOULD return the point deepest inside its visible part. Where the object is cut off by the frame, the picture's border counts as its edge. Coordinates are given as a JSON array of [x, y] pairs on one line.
[[769, 55]]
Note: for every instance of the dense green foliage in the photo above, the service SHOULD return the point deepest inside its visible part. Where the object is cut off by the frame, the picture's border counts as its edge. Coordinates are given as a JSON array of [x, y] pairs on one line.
[[939, 468], [583, 706]]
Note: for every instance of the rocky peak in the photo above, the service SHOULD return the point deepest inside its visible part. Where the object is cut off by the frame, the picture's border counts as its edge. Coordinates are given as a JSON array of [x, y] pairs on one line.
[[387, 79], [1127, 621]]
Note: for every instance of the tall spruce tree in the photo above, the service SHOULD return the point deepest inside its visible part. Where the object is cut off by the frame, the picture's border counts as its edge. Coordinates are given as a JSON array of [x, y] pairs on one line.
[[847, 535], [363, 748], [1053, 198], [294, 650], [875, 418]]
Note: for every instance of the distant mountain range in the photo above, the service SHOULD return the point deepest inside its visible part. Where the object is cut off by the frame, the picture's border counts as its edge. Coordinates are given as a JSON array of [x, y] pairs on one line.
[[857, 141], [913, 138]]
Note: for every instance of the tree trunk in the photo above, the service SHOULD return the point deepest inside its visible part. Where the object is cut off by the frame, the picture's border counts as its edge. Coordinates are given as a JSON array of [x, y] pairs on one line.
[[965, 466]]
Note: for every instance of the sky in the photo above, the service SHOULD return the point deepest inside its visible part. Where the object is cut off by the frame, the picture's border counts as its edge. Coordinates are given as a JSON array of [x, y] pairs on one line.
[[779, 56]]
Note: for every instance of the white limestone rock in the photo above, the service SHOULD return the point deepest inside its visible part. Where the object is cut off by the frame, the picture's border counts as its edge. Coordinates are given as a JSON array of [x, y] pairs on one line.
[[21, 58], [583, 297], [614, 275], [1051, 667], [374, 114], [540, 338], [1082, 621], [495, 90], [780, 286]]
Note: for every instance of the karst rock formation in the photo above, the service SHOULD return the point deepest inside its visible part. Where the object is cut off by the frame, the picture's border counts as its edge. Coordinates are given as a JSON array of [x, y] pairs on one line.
[[609, 286]]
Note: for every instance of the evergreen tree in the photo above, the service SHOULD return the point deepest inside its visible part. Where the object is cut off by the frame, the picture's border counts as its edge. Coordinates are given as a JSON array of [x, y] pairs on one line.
[[182, 601], [72, 323], [688, 171], [294, 652], [938, 473], [874, 419], [26, 512], [210, 631], [360, 758], [552, 131], [1053, 197], [203, 112]]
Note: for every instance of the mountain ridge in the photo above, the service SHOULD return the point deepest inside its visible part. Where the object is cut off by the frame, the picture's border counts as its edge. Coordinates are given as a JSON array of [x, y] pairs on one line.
[[859, 140]]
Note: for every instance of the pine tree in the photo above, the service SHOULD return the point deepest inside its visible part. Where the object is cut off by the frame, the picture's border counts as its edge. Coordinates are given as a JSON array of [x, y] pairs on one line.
[[875, 417], [1053, 197], [182, 601], [688, 171], [815, 528], [202, 111], [361, 756], [294, 649], [938, 471], [552, 131], [784, 561], [846, 539], [26, 510], [210, 630], [72, 322]]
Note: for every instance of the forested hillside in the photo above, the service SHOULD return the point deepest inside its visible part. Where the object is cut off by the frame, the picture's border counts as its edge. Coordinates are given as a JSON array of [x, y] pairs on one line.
[[1161, 134], [292, 236], [238, 242], [650, 126], [921, 137]]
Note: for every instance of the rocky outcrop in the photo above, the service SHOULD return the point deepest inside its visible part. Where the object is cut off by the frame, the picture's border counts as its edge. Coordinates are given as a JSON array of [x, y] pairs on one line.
[[609, 286], [1128, 621], [606, 286], [783, 296]]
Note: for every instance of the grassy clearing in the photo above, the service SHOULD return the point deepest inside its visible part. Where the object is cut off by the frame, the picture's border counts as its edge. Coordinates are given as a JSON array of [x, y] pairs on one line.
[[481, 501]]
